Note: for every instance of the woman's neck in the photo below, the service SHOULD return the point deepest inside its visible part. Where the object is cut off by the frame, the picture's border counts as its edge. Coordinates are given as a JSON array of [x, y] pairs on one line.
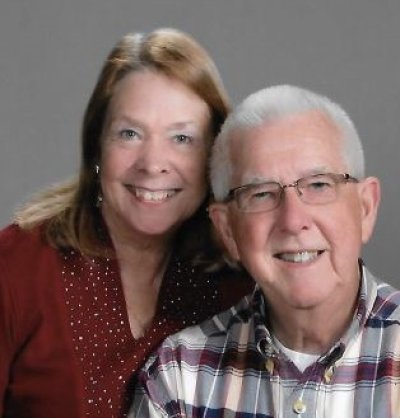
[[142, 263]]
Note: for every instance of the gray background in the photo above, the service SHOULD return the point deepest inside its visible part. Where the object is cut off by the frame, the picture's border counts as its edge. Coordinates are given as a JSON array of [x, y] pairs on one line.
[[51, 52]]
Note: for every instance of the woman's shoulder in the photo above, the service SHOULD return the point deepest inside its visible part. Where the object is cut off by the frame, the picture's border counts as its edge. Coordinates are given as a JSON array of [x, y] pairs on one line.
[[13, 238], [23, 251], [219, 287], [234, 283]]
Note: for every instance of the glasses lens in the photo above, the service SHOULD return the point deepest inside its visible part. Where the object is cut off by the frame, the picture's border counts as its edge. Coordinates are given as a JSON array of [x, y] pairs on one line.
[[317, 189], [258, 197]]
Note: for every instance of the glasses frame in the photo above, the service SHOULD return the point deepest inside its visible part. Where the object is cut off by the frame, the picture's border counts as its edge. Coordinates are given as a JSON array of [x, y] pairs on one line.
[[338, 178]]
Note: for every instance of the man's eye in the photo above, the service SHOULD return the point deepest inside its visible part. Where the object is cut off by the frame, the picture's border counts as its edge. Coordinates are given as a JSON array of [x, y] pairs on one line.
[[263, 195], [319, 185]]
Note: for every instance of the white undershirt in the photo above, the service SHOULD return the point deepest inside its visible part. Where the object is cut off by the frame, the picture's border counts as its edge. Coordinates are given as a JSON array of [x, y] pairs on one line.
[[301, 360]]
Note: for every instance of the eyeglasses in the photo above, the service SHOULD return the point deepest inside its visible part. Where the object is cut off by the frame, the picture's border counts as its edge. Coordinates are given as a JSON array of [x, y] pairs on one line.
[[317, 189]]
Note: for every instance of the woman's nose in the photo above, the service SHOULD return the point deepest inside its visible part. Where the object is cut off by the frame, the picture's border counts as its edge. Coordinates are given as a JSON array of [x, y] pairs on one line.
[[152, 158]]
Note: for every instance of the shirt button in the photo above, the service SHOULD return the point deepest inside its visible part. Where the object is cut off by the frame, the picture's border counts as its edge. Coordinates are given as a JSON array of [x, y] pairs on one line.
[[269, 366], [299, 407], [329, 374]]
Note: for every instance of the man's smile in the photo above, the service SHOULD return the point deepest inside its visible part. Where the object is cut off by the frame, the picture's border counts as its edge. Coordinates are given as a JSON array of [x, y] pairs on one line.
[[304, 256]]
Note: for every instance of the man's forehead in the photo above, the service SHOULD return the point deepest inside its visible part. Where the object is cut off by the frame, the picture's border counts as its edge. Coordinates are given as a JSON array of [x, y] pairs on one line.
[[301, 145], [299, 125]]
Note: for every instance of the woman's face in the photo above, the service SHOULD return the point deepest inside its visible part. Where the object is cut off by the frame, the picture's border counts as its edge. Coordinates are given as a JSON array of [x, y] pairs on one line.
[[155, 146]]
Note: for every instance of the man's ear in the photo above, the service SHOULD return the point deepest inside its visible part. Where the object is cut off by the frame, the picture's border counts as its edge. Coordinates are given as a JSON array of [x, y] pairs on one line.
[[370, 195], [221, 218]]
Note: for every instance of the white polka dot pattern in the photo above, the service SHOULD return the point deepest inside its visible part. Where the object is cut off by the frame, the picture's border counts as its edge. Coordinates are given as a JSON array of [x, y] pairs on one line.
[[104, 346]]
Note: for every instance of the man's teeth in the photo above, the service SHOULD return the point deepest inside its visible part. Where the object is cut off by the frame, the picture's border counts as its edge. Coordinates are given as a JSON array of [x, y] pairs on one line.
[[153, 196], [300, 257]]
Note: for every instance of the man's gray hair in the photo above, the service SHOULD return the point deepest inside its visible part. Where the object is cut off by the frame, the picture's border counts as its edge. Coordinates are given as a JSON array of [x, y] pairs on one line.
[[271, 104]]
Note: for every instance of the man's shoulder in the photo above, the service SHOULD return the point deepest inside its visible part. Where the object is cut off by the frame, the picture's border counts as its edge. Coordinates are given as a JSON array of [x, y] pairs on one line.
[[211, 335], [382, 301], [387, 303], [219, 325]]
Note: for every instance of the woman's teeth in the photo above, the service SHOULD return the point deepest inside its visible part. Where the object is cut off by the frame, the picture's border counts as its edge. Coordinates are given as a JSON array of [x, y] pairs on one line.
[[153, 196]]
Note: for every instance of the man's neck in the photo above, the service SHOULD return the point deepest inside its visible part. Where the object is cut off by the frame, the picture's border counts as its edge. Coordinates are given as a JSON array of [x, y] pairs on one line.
[[311, 331]]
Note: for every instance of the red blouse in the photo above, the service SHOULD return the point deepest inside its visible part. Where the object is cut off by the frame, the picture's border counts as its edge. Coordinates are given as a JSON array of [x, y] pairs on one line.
[[66, 349]]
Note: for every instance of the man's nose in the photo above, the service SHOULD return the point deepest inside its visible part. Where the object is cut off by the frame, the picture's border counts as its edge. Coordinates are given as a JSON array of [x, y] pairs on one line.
[[294, 215]]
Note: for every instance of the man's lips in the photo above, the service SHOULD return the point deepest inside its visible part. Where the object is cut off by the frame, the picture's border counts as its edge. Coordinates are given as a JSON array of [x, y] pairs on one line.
[[304, 256], [152, 195]]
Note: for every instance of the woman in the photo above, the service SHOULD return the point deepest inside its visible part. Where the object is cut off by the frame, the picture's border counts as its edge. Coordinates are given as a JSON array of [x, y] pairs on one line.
[[96, 272]]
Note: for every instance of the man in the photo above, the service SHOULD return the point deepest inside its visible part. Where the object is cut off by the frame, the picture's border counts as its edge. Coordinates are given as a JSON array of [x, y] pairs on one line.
[[320, 336]]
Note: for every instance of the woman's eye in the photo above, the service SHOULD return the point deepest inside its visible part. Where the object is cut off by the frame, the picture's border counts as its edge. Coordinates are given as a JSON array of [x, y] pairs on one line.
[[183, 139], [128, 134]]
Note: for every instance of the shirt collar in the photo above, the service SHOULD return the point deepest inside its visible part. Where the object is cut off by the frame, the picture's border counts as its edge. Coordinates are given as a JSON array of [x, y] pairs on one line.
[[367, 295]]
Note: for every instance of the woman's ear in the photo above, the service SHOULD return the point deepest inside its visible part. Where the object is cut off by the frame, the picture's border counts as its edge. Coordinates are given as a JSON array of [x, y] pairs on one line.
[[220, 217], [370, 195]]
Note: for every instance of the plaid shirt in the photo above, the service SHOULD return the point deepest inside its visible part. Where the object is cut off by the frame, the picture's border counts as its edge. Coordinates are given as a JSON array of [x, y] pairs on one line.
[[229, 367]]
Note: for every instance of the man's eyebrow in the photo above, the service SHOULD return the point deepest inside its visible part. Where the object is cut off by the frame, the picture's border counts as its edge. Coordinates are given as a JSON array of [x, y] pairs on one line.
[[256, 179]]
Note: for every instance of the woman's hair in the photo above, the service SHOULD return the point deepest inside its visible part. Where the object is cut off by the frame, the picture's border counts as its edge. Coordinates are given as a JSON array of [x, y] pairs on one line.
[[68, 211], [268, 105]]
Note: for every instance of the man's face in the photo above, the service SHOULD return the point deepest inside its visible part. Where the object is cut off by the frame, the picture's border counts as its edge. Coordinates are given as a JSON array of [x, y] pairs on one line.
[[302, 255]]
